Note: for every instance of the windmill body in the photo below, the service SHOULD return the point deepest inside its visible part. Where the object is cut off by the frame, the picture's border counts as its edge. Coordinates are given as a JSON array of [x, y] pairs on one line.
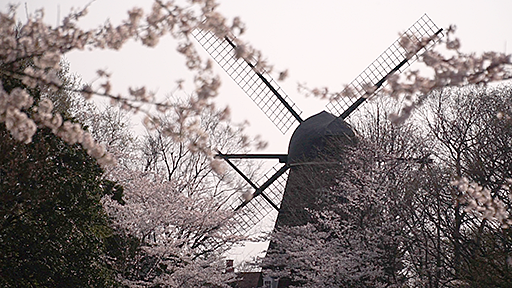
[[309, 152]]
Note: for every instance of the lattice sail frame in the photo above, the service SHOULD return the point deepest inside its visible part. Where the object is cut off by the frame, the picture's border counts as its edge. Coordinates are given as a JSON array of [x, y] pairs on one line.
[[423, 33], [257, 208], [243, 73]]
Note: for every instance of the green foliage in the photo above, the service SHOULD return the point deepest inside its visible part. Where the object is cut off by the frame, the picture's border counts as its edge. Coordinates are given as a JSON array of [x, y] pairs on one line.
[[53, 227]]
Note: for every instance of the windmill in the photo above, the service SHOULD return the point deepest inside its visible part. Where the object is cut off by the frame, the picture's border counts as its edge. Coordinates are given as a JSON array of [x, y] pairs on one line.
[[311, 135]]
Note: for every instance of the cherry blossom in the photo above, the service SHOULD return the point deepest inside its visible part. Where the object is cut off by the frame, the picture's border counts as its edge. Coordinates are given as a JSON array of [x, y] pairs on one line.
[[478, 199], [182, 232], [45, 45]]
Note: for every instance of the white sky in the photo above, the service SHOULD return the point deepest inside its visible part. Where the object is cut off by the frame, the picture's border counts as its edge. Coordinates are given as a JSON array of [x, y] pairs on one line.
[[321, 43]]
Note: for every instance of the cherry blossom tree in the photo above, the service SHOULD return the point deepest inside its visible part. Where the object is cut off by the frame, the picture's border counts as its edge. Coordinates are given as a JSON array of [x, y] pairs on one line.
[[171, 199], [176, 245], [178, 235], [474, 144]]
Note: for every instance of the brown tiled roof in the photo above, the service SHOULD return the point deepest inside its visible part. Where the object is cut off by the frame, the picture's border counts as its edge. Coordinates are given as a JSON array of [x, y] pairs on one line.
[[249, 280]]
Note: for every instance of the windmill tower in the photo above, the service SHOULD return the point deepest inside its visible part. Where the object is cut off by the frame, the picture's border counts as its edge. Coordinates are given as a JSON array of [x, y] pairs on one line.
[[309, 141]]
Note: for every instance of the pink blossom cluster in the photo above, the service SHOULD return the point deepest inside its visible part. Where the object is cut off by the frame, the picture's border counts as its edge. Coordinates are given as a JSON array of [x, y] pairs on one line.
[[451, 68], [478, 199], [22, 128], [17, 122]]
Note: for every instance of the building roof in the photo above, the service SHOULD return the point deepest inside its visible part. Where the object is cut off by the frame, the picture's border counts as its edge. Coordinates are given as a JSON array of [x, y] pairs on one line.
[[249, 280]]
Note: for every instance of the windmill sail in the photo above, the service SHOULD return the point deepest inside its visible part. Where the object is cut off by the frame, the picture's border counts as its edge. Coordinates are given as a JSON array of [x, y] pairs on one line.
[[259, 86], [306, 170], [423, 33], [258, 208]]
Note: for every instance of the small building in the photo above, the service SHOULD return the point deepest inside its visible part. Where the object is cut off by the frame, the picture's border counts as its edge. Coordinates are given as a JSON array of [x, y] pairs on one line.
[[251, 279]]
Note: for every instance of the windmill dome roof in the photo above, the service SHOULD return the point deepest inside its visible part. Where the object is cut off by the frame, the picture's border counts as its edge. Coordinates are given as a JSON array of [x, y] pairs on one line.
[[310, 137]]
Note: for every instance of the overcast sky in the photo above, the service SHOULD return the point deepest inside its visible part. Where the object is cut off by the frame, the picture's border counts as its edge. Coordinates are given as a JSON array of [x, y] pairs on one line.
[[321, 43]]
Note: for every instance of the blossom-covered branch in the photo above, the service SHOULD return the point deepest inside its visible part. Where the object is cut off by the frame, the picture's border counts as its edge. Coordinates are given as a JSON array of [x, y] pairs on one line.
[[445, 65], [31, 52]]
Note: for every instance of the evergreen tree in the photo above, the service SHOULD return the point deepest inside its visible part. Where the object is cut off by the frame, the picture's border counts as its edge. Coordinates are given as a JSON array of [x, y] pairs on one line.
[[53, 229]]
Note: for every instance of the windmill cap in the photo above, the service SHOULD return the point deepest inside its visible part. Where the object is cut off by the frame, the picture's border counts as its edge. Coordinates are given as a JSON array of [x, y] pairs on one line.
[[311, 135]]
